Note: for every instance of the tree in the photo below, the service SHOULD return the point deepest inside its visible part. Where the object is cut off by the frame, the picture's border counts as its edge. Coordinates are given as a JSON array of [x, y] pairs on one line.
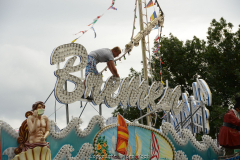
[[222, 57], [215, 61], [182, 62]]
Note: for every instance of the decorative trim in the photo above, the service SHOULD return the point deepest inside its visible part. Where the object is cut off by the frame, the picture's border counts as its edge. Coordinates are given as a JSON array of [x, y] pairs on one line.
[[187, 135], [8, 129], [85, 152], [180, 155], [74, 123], [196, 157], [9, 152]]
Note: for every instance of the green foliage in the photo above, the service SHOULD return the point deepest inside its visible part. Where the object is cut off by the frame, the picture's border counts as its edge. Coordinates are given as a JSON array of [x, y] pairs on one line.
[[215, 60], [182, 62], [222, 56]]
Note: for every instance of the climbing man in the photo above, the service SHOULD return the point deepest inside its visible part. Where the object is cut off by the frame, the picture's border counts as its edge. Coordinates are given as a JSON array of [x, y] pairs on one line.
[[100, 56]]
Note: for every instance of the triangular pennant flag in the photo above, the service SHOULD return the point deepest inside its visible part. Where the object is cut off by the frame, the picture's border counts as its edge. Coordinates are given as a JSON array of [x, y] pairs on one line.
[[74, 40], [161, 61], [162, 81], [156, 38], [111, 7], [113, 2], [150, 4], [94, 32], [153, 16]]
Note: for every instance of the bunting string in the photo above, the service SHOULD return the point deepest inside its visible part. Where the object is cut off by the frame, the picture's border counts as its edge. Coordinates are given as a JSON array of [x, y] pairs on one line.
[[135, 16], [160, 56], [92, 24]]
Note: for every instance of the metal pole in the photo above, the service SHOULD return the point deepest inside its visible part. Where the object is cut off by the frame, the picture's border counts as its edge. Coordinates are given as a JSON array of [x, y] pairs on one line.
[[185, 121], [141, 116], [55, 108], [67, 110], [153, 111], [169, 117], [181, 126], [143, 51], [100, 109], [203, 116], [189, 100]]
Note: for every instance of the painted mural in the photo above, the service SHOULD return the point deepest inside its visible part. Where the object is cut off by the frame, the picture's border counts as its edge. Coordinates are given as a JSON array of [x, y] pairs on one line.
[[141, 144]]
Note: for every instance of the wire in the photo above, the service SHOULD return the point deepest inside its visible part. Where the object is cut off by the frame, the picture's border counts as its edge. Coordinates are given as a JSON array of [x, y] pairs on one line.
[[56, 110], [96, 110], [83, 110], [49, 96]]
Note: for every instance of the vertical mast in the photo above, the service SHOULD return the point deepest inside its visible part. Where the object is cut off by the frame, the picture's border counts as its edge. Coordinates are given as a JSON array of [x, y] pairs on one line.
[[143, 51]]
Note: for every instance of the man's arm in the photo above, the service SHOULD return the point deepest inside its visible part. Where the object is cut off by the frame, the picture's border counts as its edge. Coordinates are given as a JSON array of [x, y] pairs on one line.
[[112, 68]]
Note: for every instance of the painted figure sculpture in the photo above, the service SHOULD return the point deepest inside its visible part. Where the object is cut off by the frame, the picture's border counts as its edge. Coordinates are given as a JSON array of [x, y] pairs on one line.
[[33, 133]]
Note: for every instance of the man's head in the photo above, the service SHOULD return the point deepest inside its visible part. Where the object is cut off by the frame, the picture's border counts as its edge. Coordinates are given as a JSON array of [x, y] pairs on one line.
[[237, 105], [116, 51], [38, 105]]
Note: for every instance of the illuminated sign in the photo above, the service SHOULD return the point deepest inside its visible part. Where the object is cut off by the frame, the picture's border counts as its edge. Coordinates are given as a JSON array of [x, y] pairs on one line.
[[129, 92]]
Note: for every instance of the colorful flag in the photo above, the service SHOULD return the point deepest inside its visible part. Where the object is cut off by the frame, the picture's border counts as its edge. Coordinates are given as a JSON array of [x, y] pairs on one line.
[[155, 147], [161, 61], [94, 32], [156, 27], [161, 77], [123, 135], [153, 16], [111, 7], [81, 32], [150, 4], [113, 2], [74, 40], [156, 38], [95, 20], [157, 49]]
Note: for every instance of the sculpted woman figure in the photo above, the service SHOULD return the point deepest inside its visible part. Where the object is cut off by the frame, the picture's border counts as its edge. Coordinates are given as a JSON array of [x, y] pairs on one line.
[[38, 124], [33, 133], [38, 127]]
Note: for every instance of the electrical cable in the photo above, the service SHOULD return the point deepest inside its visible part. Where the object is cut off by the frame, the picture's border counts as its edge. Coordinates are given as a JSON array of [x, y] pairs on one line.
[[49, 96], [96, 110], [83, 110], [56, 110]]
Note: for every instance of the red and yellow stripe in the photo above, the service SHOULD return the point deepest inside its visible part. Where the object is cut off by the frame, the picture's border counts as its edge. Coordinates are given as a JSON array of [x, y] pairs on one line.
[[123, 135]]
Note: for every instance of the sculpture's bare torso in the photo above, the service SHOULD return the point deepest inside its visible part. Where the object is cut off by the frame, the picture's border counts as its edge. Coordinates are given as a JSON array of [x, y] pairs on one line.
[[38, 126]]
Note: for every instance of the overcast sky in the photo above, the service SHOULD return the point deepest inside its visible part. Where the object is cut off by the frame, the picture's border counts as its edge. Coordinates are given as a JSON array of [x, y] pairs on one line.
[[30, 30]]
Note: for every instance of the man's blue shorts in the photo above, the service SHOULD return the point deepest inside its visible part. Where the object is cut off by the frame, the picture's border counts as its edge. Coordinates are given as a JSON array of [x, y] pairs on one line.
[[91, 66]]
